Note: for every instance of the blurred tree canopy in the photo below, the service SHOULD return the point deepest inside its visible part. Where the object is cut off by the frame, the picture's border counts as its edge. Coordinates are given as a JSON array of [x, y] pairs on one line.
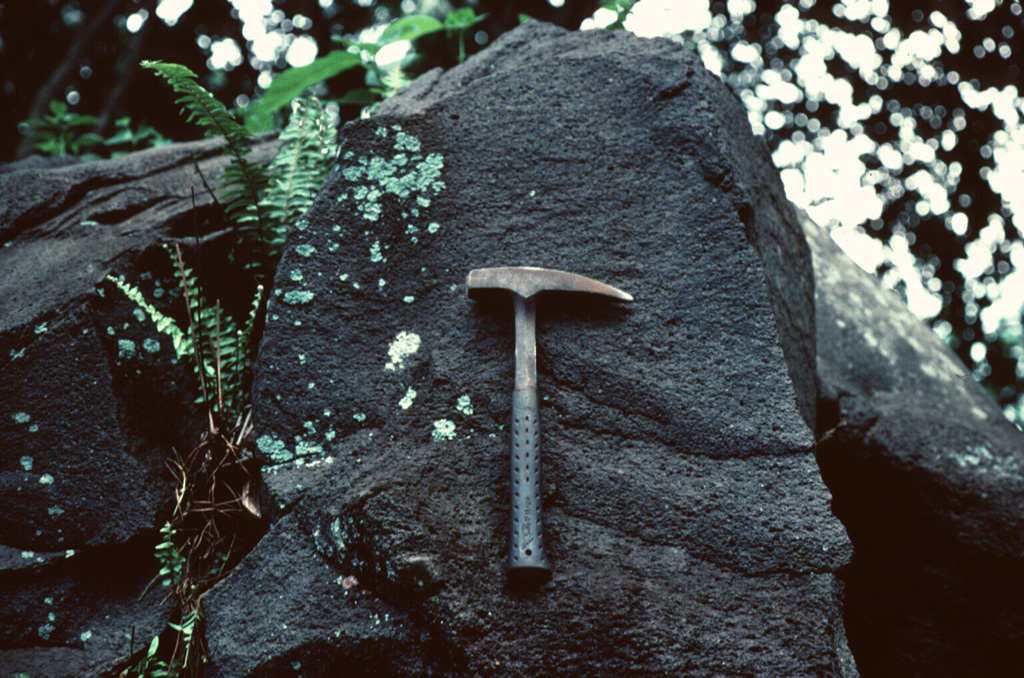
[[910, 110]]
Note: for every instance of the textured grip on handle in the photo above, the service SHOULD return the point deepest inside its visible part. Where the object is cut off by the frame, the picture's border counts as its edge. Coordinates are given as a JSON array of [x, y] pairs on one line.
[[526, 557]]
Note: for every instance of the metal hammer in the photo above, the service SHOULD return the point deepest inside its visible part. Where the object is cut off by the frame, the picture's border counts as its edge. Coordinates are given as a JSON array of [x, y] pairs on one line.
[[527, 561]]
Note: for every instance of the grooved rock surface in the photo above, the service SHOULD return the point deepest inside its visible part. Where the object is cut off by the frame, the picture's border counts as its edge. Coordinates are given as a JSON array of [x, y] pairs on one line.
[[687, 525], [928, 477], [92, 400]]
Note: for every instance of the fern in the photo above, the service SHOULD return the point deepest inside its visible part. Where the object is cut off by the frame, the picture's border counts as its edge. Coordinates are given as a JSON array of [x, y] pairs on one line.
[[307, 151], [220, 351], [244, 181]]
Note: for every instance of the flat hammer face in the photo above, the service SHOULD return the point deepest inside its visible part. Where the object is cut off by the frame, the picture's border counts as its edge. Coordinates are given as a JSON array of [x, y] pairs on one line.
[[527, 561]]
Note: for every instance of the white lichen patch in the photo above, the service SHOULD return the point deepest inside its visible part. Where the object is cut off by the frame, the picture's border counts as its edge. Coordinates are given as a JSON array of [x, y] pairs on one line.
[[359, 416], [406, 401], [404, 345], [26, 463], [150, 345], [46, 479], [298, 297], [125, 348], [464, 405], [444, 429], [295, 274], [305, 250], [409, 299], [375, 253]]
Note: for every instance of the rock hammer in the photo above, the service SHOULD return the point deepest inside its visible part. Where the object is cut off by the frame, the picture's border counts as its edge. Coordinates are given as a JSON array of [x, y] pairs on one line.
[[527, 562]]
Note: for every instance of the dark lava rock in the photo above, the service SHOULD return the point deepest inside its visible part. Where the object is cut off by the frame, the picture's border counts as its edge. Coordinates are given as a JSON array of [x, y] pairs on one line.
[[686, 521], [928, 477], [93, 399]]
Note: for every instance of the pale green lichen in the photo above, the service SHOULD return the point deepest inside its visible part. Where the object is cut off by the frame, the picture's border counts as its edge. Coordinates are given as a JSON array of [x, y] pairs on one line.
[[297, 297], [273, 449], [444, 429], [305, 250], [46, 479], [406, 401], [375, 253], [150, 345], [21, 417], [404, 345], [41, 328], [402, 176], [307, 449], [125, 348], [407, 142], [434, 227], [381, 283], [409, 299], [464, 405], [295, 274], [55, 510], [26, 463], [359, 416]]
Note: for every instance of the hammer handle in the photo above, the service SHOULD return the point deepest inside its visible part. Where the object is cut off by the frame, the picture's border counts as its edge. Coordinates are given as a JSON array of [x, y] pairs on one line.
[[526, 557]]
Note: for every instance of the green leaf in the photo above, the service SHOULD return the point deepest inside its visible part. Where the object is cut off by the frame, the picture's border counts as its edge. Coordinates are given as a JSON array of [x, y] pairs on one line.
[[461, 19], [409, 28], [80, 120], [292, 83], [523, 18]]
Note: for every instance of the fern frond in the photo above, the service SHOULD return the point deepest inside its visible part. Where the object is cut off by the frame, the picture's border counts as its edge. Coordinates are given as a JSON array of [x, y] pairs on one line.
[[309, 144], [243, 181], [180, 340]]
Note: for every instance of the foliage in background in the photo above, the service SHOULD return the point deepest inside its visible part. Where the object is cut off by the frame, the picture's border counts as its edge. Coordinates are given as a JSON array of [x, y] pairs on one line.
[[64, 132], [381, 83], [929, 98]]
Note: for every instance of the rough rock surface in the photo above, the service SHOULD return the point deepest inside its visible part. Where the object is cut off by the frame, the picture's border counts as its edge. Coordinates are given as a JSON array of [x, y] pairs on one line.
[[928, 477], [687, 523], [92, 401]]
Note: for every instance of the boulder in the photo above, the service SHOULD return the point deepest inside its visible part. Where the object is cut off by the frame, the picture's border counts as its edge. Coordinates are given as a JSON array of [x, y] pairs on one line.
[[93, 399], [928, 477], [687, 524]]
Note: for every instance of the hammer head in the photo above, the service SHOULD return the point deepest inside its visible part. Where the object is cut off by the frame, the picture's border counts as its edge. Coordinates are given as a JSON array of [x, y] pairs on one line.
[[527, 281]]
